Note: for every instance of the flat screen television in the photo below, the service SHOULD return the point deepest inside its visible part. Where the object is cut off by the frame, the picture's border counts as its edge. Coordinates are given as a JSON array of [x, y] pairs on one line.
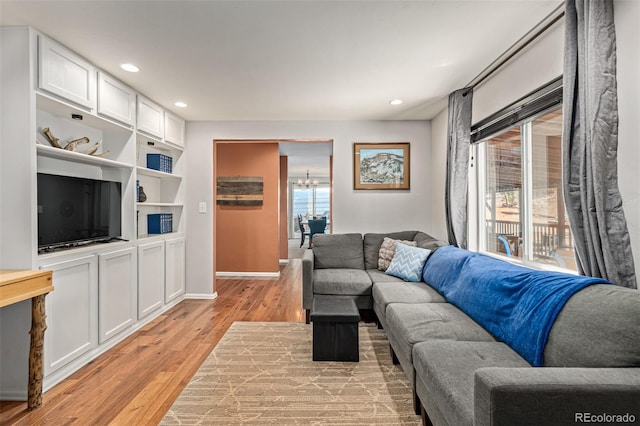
[[73, 211]]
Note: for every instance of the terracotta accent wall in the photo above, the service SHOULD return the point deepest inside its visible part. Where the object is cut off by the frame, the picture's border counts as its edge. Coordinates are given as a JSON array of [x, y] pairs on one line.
[[284, 188], [246, 237]]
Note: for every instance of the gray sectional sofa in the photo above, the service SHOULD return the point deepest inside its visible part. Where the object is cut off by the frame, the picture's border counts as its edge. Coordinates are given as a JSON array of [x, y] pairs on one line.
[[347, 265], [480, 347]]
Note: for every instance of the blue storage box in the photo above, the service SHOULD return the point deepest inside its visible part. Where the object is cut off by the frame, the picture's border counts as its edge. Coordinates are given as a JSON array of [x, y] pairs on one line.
[[159, 223], [160, 162]]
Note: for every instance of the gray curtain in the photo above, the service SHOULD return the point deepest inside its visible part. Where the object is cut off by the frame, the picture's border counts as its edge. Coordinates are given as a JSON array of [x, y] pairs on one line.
[[590, 143], [457, 187]]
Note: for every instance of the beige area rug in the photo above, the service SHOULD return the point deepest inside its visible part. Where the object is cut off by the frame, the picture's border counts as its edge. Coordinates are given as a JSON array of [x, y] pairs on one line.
[[262, 373]]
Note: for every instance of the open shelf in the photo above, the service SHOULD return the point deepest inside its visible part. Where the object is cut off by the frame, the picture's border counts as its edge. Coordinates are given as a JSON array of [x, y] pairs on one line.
[[155, 173], [158, 145], [64, 110], [77, 157], [147, 204], [174, 234]]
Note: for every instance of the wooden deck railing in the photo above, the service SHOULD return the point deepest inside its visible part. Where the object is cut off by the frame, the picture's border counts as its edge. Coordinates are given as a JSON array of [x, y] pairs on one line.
[[547, 238]]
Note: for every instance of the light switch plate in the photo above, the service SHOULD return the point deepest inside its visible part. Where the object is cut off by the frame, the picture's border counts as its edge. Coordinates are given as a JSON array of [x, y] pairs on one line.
[[202, 207]]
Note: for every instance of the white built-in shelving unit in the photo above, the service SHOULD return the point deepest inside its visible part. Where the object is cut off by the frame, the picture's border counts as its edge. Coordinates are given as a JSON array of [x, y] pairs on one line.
[[164, 191], [103, 292]]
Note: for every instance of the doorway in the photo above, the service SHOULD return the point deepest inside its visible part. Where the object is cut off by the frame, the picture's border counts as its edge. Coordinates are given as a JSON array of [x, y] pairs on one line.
[[309, 186], [251, 240]]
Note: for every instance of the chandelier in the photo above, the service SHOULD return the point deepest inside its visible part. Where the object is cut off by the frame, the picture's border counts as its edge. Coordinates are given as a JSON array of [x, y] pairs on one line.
[[308, 182]]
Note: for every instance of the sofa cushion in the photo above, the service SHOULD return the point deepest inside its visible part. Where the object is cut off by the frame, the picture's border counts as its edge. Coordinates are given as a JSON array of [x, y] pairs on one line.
[[445, 374], [424, 240], [385, 293], [408, 324], [388, 250], [413, 323], [598, 327], [404, 292], [372, 243], [338, 251], [380, 277], [341, 281], [408, 262]]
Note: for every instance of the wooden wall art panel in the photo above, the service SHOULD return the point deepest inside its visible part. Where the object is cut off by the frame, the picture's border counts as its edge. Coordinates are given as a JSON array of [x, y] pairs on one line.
[[239, 191]]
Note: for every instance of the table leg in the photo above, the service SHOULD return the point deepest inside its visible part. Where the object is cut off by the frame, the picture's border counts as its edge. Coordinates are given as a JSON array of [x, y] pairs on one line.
[[38, 326]]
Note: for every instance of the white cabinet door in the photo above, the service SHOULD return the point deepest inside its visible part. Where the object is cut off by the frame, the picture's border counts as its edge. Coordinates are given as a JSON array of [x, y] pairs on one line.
[[117, 292], [115, 100], [174, 267], [150, 117], [173, 129], [66, 74], [72, 311], [150, 277]]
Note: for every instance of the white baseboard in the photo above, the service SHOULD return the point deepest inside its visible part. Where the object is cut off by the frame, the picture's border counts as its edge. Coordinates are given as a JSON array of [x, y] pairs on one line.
[[14, 395], [284, 261], [209, 296], [248, 274]]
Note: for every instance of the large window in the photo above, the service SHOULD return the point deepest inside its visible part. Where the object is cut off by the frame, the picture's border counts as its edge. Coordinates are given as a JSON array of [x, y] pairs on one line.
[[522, 212], [309, 202]]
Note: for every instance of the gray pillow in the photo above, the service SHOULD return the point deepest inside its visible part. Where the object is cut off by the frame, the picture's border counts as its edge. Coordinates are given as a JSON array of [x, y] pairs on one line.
[[338, 251], [598, 327], [428, 242], [388, 250], [372, 243]]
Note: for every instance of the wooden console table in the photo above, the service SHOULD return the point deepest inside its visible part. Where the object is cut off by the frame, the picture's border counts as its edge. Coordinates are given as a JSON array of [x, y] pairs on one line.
[[19, 285]]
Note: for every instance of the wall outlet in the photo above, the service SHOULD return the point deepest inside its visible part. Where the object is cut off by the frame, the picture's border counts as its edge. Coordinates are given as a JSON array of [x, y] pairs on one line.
[[202, 207]]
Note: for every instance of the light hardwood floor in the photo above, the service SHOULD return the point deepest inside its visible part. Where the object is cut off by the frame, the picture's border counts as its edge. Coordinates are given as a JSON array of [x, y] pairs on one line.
[[137, 381]]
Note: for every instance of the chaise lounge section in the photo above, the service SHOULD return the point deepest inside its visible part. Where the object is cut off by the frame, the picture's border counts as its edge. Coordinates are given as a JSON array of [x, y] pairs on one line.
[[486, 342]]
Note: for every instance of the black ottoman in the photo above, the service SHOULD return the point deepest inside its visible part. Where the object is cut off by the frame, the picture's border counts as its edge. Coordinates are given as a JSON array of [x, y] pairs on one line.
[[335, 329]]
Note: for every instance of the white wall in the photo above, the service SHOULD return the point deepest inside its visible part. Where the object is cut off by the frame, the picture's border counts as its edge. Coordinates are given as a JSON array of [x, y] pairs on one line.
[[438, 174], [538, 65], [627, 15], [353, 211]]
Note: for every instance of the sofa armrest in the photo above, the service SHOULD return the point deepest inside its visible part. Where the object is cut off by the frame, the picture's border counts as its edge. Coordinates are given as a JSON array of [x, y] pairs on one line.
[[555, 396], [307, 279]]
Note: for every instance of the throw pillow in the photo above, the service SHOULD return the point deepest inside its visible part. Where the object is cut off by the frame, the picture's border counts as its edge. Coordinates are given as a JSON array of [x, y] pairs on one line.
[[388, 249], [408, 262]]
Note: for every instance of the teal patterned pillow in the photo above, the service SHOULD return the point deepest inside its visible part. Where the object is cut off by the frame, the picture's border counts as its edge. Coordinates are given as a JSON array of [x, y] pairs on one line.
[[408, 262]]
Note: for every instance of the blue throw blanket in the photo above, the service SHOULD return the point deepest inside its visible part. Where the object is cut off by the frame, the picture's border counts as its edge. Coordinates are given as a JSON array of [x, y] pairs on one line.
[[517, 305]]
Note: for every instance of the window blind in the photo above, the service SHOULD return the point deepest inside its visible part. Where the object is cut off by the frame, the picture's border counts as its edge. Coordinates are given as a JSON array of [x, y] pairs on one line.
[[541, 99]]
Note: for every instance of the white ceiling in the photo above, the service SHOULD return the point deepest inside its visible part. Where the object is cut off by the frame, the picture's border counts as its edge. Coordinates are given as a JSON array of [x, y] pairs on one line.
[[307, 156], [288, 60]]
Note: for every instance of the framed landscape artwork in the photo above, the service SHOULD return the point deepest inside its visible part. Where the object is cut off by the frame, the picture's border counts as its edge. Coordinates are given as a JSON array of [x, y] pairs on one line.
[[381, 165]]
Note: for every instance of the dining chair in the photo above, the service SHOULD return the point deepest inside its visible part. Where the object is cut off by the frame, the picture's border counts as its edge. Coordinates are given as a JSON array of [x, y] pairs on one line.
[[303, 232], [316, 226]]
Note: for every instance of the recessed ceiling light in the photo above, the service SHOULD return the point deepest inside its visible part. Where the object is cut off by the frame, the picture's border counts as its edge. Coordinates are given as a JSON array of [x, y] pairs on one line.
[[395, 102], [180, 104], [129, 67]]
